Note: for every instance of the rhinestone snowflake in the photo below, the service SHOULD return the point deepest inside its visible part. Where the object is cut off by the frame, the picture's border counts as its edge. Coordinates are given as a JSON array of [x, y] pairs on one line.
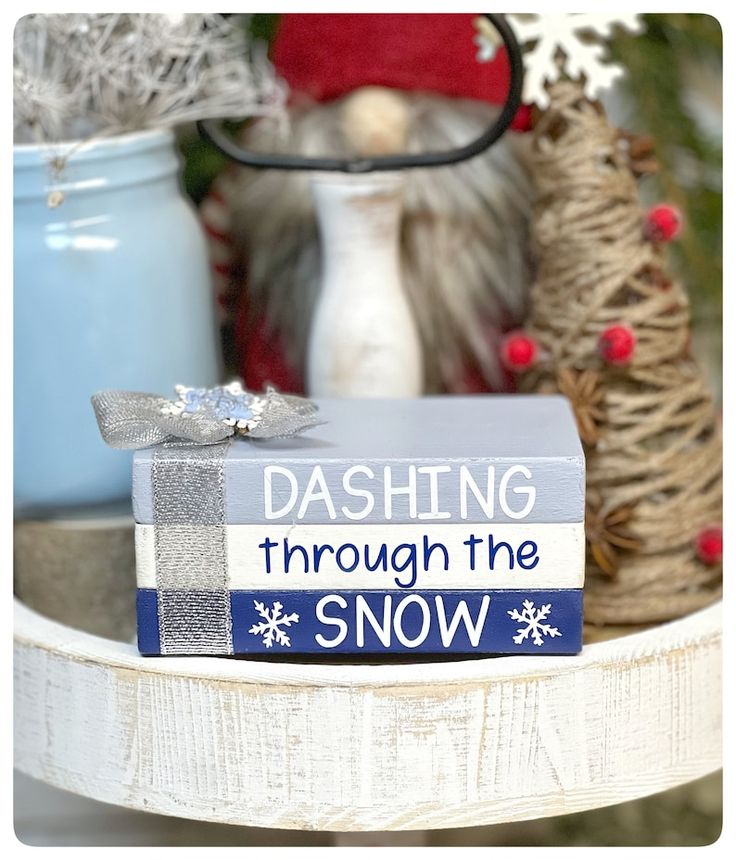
[[274, 620], [534, 620], [231, 404]]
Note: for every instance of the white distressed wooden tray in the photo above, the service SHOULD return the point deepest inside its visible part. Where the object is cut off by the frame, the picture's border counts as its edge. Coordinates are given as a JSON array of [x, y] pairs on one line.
[[368, 747]]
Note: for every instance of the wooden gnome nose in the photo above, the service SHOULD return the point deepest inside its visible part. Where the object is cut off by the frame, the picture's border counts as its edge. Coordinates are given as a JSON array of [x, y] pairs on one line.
[[375, 121]]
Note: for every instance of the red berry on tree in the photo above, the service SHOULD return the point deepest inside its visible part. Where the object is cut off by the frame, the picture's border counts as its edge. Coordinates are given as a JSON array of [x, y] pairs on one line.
[[709, 545], [616, 344], [519, 351], [523, 120], [663, 223]]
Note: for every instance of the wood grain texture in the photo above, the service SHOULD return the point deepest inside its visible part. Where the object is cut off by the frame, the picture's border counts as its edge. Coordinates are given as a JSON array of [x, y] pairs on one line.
[[368, 747]]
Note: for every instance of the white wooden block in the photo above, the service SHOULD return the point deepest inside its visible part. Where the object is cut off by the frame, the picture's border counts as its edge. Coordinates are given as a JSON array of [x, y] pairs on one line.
[[552, 556]]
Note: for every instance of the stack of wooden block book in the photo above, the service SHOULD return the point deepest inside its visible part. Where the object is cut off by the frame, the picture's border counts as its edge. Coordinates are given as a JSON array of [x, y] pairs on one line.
[[437, 525]]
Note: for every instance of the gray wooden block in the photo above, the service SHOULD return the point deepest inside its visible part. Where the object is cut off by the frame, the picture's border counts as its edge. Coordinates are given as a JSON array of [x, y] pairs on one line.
[[450, 449], [80, 572]]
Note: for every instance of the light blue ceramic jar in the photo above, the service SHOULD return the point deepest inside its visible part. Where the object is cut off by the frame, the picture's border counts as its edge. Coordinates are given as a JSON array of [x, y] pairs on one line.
[[112, 290]]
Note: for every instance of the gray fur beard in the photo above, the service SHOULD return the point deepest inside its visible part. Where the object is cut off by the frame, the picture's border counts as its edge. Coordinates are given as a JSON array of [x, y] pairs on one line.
[[464, 229]]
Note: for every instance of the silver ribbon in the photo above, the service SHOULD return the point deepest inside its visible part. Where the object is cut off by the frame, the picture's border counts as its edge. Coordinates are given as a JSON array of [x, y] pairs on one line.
[[192, 580], [132, 419]]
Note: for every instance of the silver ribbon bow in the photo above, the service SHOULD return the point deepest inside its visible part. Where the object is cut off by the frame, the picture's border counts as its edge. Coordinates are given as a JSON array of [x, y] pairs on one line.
[[131, 419]]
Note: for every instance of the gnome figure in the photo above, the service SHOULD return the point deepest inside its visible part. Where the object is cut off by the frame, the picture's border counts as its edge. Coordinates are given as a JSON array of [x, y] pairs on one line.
[[367, 85]]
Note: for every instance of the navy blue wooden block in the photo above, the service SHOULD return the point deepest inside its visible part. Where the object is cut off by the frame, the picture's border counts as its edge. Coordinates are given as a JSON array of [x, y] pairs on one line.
[[507, 621]]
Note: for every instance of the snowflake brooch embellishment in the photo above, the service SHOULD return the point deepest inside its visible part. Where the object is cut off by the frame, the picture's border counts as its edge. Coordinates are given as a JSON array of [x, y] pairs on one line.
[[270, 627], [534, 620], [231, 404]]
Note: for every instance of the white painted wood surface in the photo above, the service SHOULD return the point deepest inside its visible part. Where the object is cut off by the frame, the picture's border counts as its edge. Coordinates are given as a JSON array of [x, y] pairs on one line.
[[368, 747], [560, 554], [363, 340]]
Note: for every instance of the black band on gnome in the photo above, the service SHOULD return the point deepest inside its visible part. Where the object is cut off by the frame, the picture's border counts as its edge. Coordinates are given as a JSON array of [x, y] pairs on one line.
[[211, 131]]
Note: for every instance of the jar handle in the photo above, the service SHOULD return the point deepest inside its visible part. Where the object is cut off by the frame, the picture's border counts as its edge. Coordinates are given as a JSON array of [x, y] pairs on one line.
[[211, 131]]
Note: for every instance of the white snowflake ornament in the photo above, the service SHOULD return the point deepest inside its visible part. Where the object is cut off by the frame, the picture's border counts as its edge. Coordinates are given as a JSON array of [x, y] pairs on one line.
[[557, 45]]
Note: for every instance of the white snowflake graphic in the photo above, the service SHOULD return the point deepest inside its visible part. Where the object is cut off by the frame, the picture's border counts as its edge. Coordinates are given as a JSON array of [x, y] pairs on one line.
[[533, 618], [572, 44], [270, 627]]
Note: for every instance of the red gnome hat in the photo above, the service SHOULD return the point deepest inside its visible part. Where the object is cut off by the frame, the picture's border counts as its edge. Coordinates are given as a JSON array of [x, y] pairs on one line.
[[326, 56]]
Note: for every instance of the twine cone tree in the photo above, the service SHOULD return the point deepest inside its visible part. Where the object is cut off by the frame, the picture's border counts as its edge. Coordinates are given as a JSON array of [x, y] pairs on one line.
[[610, 330]]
